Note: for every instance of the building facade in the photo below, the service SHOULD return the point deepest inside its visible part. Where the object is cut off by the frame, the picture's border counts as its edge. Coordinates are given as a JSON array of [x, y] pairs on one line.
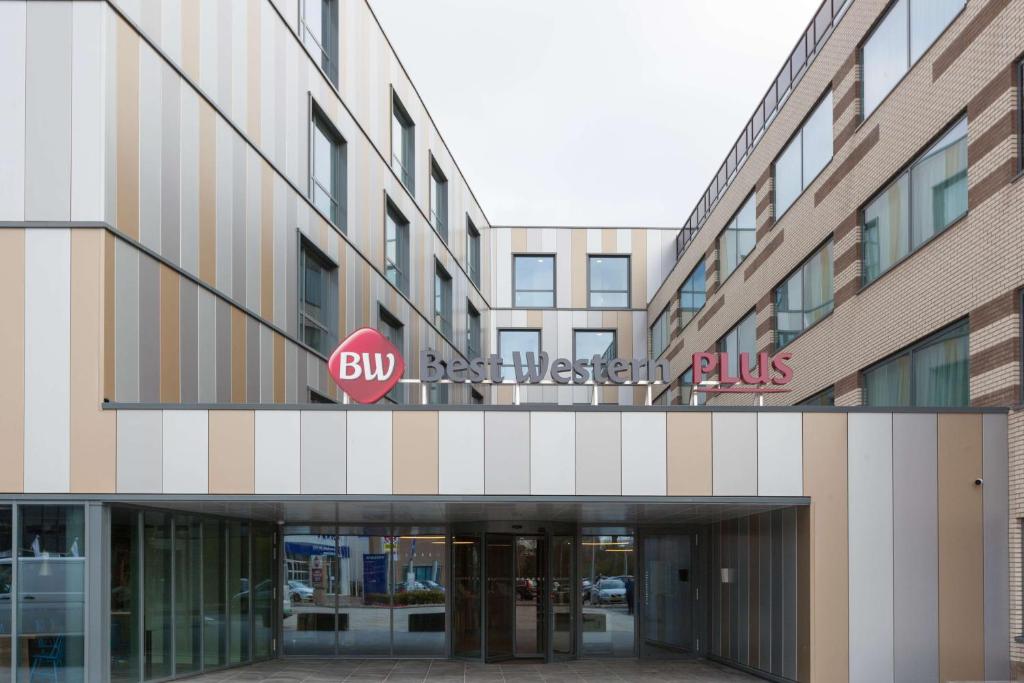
[[200, 199]]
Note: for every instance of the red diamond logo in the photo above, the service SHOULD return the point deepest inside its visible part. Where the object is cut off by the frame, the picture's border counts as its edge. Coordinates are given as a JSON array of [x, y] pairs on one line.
[[366, 365]]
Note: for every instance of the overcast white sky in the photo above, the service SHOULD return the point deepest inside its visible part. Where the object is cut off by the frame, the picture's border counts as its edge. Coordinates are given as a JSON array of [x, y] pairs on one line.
[[591, 112]]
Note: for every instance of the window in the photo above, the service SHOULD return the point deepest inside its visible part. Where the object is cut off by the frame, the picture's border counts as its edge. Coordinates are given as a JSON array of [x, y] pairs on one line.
[[740, 339], [805, 297], [589, 343], [1020, 115], [442, 300], [660, 334], [608, 278], [437, 394], [692, 295], [394, 332], [510, 341], [904, 34], [396, 248], [438, 200], [318, 308], [473, 251], [473, 338], [931, 373], [804, 157], [922, 202], [738, 238], [687, 395], [327, 179], [533, 281], [826, 397], [475, 397], [318, 25], [316, 397], [403, 148]]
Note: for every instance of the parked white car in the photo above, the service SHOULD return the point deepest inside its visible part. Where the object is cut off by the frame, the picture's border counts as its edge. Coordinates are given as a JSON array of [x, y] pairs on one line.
[[608, 591]]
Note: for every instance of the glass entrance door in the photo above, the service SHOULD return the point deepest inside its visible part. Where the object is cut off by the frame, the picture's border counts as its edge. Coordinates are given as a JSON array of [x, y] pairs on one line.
[[499, 586], [529, 597], [668, 584]]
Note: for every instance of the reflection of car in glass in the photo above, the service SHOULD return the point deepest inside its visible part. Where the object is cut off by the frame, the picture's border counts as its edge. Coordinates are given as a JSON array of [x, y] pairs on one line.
[[432, 585], [299, 591], [608, 591], [525, 589], [585, 586], [410, 586]]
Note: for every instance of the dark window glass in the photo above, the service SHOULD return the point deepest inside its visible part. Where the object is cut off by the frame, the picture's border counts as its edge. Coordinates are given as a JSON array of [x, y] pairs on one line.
[[327, 183], [439, 200], [590, 343], [473, 252], [125, 649], [740, 339], [738, 238], [394, 332], [826, 397], [534, 281], [804, 157], [932, 373], [922, 202], [660, 334], [510, 341], [692, 295], [318, 308], [396, 248], [443, 300], [319, 29], [474, 347], [687, 395], [403, 148], [805, 297], [608, 281]]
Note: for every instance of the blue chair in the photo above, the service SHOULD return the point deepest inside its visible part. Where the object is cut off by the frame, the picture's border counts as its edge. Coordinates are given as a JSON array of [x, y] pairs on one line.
[[49, 661]]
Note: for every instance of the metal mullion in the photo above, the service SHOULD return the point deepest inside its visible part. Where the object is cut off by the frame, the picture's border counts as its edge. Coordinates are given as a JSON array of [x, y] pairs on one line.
[[226, 538], [15, 533], [202, 597], [174, 597], [141, 530], [252, 600]]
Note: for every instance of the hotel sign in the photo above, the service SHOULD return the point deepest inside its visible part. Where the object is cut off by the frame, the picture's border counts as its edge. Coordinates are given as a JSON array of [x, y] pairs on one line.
[[366, 366]]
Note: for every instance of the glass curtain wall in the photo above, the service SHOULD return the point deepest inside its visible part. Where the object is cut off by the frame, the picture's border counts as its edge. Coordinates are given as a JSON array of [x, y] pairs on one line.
[[349, 592], [608, 572], [181, 594]]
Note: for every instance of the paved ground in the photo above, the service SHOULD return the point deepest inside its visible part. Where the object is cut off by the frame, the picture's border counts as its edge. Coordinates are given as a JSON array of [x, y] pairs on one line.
[[583, 671]]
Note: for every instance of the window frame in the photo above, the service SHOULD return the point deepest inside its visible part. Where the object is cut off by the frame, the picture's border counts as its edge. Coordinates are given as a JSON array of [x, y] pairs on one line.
[[407, 159], [444, 324], [473, 314], [586, 361], [666, 317], [803, 289], [386, 317], [473, 251], [730, 228], [703, 293], [906, 171], [554, 280], [827, 391], [339, 167], [329, 268], [720, 343], [1020, 115], [332, 40], [629, 282], [911, 63], [914, 347], [402, 228], [438, 215], [799, 133], [507, 362]]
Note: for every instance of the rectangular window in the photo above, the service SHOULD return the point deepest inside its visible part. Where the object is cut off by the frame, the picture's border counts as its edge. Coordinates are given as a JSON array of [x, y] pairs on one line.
[[660, 334], [687, 395], [589, 343], [825, 397], [807, 153], [473, 251], [437, 395], [318, 21], [738, 238], [510, 341], [740, 339], [394, 332], [922, 202], [533, 281], [692, 295], [396, 248], [438, 200], [805, 297], [931, 373], [327, 182], [906, 31], [403, 147], [474, 347], [318, 292], [608, 281], [442, 300]]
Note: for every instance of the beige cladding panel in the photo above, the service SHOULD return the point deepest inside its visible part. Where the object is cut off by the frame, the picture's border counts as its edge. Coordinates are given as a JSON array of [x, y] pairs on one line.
[[12, 360], [689, 454], [232, 451], [415, 455], [598, 454]]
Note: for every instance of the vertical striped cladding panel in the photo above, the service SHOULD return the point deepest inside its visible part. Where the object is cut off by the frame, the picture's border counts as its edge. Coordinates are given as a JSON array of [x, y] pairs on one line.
[[734, 441], [323, 459], [552, 454], [139, 451], [915, 547], [460, 453], [277, 455], [996, 520], [13, 37], [415, 452], [779, 454], [369, 451], [186, 451], [643, 454], [871, 547], [688, 454], [12, 353], [507, 453], [47, 360], [598, 454], [88, 132]]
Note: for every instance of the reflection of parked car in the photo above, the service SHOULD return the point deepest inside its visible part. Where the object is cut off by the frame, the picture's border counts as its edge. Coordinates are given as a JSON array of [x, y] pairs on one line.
[[525, 589], [432, 585], [608, 591], [410, 586], [299, 591]]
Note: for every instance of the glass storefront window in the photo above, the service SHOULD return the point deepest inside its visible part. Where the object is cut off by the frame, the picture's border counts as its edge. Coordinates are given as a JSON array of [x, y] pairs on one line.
[[124, 597], [188, 623], [263, 591], [419, 580], [6, 585], [156, 633], [608, 573], [214, 589], [239, 588], [466, 597], [308, 591], [364, 601], [51, 592]]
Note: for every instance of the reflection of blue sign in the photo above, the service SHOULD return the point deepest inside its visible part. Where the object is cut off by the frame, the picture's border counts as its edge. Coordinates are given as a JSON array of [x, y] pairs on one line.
[[375, 573]]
